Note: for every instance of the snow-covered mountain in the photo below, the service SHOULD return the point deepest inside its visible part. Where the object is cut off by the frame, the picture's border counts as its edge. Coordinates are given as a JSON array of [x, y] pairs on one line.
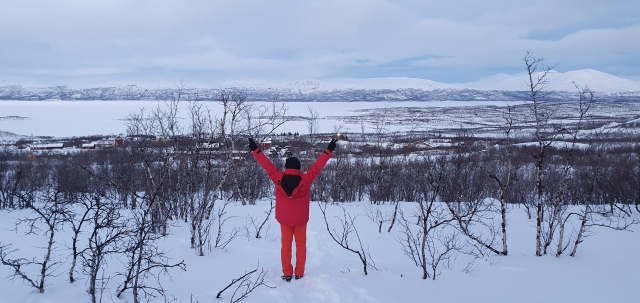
[[500, 87], [595, 80], [311, 86]]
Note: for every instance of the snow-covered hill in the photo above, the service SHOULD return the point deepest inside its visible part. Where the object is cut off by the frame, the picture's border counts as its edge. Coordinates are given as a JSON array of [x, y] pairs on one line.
[[337, 84], [8, 137], [595, 80]]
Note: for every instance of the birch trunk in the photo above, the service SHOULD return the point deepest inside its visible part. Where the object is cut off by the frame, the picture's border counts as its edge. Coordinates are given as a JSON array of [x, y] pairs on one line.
[[581, 231], [43, 271]]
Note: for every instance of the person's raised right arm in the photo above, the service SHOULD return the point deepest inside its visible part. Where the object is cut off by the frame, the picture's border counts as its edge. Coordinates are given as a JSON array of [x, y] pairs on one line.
[[268, 167]]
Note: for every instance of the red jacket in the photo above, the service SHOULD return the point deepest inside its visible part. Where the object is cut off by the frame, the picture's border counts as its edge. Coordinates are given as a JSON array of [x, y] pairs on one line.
[[292, 210]]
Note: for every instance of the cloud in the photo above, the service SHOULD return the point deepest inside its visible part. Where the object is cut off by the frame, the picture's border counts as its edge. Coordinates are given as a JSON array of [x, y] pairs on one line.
[[312, 39]]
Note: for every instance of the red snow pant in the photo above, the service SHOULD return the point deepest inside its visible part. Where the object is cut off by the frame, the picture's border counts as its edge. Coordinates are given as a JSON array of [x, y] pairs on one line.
[[300, 233]]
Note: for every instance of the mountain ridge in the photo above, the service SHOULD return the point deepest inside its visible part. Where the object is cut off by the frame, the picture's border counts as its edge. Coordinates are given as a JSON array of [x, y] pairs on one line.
[[499, 87]]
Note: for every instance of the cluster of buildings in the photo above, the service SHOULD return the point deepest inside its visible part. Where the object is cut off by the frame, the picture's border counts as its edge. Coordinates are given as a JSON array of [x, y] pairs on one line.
[[102, 143], [109, 142], [271, 148]]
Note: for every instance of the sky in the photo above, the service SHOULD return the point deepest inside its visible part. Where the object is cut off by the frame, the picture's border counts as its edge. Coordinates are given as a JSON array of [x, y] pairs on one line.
[[206, 42]]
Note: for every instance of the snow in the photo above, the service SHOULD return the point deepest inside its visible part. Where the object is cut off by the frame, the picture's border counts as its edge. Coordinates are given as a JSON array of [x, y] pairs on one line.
[[85, 118], [309, 86], [605, 268], [558, 81], [595, 80], [108, 118], [68, 118]]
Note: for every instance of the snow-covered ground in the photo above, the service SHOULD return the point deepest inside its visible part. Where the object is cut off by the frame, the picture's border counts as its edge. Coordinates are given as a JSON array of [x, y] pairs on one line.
[[605, 269]]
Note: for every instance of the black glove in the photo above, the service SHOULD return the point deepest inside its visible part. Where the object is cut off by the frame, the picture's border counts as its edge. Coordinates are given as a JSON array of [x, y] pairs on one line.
[[252, 144], [332, 145]]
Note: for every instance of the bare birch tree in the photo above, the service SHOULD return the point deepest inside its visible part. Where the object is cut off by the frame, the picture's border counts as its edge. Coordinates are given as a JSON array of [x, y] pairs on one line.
[[342, 236], [49, 211], [313, 126], [239, 119], [545, 135], [419, 243], [505, 179], [108, 229], [145, 260], [77, 220], [560, 202]]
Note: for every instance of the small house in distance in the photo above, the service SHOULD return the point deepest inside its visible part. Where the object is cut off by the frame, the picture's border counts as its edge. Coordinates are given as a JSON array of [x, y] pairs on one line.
[[109, 142], [265, 145], [208, 145], [421, 144], [49, 146], [119, 141]]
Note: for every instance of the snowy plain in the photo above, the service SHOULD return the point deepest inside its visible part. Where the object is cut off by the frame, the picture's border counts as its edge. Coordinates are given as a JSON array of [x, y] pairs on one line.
[[605, 269]]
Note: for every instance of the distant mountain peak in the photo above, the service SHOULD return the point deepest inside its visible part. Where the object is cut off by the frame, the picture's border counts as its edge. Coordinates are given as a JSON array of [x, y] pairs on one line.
[[558, 81]]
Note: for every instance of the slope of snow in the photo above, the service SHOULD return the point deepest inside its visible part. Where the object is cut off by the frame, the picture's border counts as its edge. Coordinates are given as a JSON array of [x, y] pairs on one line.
[[386, 83], [8, 135], [595, 80], [604, 270]]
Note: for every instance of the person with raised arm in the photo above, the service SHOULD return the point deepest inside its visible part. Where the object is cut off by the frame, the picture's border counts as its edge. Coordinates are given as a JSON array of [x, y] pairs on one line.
[[293, 190]]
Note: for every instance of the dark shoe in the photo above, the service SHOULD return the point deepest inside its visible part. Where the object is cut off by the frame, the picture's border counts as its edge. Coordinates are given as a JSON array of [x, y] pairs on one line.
[[298, 277], [287, 278]]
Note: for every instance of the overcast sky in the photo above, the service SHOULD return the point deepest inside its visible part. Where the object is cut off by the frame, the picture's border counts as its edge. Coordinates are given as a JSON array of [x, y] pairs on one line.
[[204, 42]]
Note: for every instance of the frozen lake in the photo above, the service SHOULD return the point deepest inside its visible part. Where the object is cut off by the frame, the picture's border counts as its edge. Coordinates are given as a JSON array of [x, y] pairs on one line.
[[80, 118]]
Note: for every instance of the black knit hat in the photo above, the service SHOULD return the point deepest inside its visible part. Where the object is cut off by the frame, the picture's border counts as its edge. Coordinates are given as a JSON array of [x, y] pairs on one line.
[[292, 162]]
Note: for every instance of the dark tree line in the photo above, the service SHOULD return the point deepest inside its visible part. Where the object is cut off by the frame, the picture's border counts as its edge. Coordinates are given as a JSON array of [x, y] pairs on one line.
[[120, 173]]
